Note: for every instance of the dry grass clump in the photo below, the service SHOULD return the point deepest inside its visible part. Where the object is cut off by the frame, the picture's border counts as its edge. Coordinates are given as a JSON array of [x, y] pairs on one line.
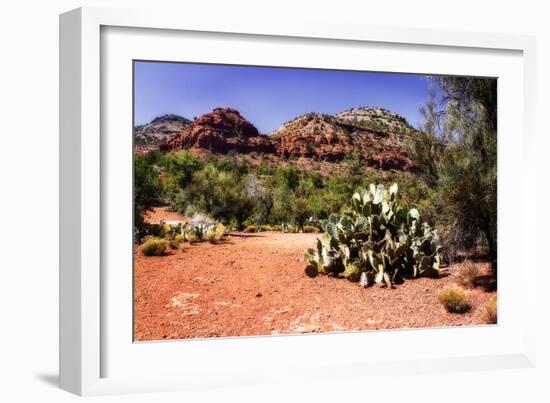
[[210, 236], [467, 274], [454, 299], [251, 228], [490, 311], [154, 247], [308, 229]]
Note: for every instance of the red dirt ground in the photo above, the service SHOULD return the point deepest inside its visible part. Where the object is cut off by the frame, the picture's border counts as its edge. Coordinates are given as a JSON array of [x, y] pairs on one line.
[[158, 214], [254, 284]]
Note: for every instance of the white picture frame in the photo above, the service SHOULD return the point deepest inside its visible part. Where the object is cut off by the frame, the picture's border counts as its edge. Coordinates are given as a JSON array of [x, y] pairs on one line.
[[97, 357]]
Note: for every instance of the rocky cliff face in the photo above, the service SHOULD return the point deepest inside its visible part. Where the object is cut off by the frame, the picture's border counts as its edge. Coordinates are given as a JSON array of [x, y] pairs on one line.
[[375, 135], [221, 131], [313, 135]]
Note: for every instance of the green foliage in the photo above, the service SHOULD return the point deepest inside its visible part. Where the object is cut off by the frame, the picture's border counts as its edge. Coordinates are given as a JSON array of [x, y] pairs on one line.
[[180, 167], [378, 237], [239, 194], [456, 153], [220, 193], [426, 146], [454, 299], [154, 247], [147, 191]]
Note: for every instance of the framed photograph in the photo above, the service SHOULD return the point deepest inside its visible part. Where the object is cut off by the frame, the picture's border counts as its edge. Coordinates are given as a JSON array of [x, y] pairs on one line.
[[247, 203]]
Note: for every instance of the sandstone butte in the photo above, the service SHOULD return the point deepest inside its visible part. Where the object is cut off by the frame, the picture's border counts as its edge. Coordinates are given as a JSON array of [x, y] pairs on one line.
[[376, 135]]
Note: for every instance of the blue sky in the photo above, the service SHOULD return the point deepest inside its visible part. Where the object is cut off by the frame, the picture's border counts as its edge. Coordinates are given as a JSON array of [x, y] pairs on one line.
[[268, 96]]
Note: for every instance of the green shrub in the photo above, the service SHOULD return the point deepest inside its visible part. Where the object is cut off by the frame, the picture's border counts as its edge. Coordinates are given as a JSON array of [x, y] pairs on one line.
[[147, 191], [454, 299], [266, 227], [377, 237], [277, 228], [179, 238], [154, 247]]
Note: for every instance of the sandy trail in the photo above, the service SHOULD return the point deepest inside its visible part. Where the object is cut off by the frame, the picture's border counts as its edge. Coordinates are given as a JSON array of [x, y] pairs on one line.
[[254, 284]]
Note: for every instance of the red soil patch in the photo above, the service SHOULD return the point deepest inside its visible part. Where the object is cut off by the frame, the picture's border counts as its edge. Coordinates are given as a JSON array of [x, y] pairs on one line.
[[254, 284], [158, 214]]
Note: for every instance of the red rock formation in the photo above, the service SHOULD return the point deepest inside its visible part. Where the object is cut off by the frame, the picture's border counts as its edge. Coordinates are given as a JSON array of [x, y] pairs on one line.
[[323, 137], [220, 131]]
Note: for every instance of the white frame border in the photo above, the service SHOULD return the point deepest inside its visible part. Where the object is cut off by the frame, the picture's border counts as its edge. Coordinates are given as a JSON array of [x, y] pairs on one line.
[[80, 173]]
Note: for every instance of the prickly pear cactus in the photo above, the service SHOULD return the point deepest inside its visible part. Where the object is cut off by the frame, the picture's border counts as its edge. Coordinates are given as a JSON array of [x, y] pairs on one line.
[[376, 241]]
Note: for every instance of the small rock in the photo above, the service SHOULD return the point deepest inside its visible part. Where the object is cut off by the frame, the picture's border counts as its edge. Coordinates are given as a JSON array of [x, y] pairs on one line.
[[259, 294]]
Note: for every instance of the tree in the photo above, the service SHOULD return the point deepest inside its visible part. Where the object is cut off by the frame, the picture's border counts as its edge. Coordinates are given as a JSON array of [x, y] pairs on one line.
[[179, 169], [468, 170], [147, 190], [426, 145]]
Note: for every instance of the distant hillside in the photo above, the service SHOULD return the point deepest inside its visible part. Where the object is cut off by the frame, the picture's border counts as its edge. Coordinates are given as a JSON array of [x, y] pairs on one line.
[[376, 118], [159, 130], [374, 135]]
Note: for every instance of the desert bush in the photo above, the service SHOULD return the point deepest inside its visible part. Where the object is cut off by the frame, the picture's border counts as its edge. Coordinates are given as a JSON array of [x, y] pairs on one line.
[[215, 234], [219, 232], [200, 225], [277, 227], [310, 229], [454, 299], [191, 236], [490, 310], [266, 227], [210, 236], [251, 228], [154, 247], [379, 238], [179, 238], [289, 228], [169, 231], [221, 192], [467, 274]]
